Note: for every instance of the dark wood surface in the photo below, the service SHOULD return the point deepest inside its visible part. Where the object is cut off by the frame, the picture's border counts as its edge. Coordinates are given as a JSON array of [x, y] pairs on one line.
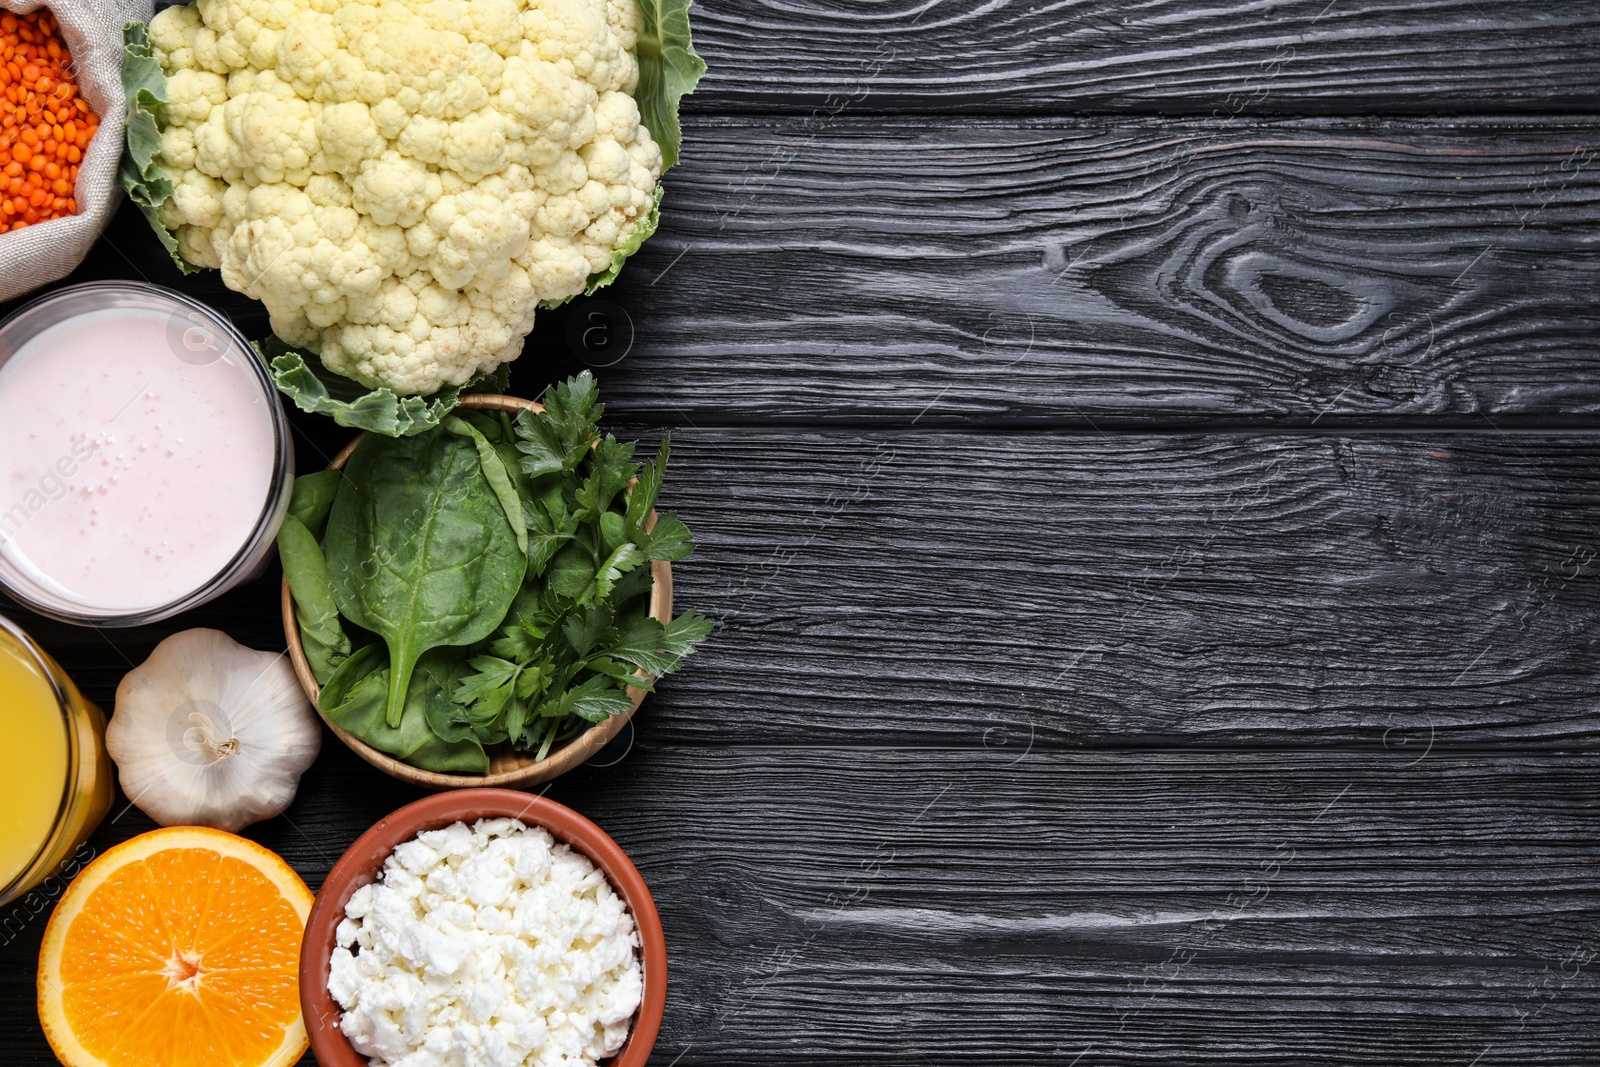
[[1143, 458], [1100, 273], [1151, 56]]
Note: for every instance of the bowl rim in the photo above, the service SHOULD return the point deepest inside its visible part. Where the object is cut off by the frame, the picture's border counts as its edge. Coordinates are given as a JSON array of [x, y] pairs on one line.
[[573, 754], [361, 862]]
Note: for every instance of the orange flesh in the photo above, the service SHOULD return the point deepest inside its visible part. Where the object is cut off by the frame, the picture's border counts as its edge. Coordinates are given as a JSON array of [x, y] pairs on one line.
[[184, 959]]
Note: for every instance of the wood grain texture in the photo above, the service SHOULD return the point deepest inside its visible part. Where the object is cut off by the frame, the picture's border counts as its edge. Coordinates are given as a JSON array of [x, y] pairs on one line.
[[1083, 274], [1415, 592], [1163, 56], [1065, 273], [963, 907], [1108, 591], [961, 904]]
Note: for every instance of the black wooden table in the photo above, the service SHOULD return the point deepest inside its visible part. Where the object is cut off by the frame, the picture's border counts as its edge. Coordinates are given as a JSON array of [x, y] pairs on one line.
[[1143, 461]]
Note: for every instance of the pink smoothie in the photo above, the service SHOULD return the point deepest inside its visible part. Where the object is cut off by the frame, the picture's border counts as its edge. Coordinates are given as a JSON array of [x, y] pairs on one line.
[[136, 456]]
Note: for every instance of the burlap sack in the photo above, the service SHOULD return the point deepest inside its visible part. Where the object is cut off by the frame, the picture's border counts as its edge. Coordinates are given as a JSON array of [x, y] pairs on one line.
[[92, 30]]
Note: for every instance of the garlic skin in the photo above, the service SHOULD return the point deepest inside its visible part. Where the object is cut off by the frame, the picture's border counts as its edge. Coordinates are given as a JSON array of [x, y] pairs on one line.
[[207, 732]]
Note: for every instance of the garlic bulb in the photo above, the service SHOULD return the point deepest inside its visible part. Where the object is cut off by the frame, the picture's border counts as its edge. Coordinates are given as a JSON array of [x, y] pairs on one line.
[[207, 732]]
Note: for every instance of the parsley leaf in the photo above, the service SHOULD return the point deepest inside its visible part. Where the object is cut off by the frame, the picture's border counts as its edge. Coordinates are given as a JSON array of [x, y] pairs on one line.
[[642, 497], [611, 467], [616, 565], [557, 439], [626, 673], [584, 631], [489, 689], [660, 649], [550, 527], [596, 700], [668, 539], [633, 586]]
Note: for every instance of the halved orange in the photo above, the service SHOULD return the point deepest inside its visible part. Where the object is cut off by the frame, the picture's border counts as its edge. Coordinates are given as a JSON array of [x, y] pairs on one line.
[[178, 948]]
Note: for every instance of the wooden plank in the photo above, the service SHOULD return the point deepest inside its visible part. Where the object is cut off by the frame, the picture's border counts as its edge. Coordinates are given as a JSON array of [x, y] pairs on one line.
[[1077, 274], [1416, 591], [958, 906], [962, 903], [1160, 56], [1065, 273], [1423, 591]]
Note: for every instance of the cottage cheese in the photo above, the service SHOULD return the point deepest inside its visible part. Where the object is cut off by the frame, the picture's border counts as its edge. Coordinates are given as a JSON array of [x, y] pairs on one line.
[[488, 946]]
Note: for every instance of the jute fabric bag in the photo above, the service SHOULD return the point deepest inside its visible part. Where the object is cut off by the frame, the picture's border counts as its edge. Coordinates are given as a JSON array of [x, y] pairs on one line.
[[49, 251]]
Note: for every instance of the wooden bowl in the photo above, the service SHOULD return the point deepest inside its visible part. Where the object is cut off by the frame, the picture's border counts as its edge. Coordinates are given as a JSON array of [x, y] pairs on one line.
[[506, 767], [363, 860]]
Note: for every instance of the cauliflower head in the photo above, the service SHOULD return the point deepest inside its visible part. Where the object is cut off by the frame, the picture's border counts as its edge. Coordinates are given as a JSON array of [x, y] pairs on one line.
[[403, 182]]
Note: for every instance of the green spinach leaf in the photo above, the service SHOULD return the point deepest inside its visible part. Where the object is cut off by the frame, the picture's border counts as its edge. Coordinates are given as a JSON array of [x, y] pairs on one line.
[[322, 637], [495, 473], [312, 499], [572, 572], [356, 698], [419, 550]]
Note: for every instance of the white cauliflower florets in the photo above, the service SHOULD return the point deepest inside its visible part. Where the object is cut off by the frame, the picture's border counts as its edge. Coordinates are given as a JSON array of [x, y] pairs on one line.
[[403, 182]]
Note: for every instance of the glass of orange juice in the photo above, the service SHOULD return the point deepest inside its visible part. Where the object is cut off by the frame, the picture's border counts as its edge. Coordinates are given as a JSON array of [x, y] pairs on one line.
[[55, 776]]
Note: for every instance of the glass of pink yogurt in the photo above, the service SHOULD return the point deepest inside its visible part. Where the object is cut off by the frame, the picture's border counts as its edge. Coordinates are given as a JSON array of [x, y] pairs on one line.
[[145, 461]]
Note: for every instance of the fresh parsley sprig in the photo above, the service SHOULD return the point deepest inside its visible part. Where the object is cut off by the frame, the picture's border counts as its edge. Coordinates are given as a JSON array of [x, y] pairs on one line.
[[579, 634]]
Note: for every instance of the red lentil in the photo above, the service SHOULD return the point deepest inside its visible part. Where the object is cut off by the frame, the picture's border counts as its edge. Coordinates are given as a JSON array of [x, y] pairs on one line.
[[45, 125]]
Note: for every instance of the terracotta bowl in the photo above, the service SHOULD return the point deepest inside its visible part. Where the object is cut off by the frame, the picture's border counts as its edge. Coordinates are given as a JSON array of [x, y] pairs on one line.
[[506, 767], [363, 860]]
